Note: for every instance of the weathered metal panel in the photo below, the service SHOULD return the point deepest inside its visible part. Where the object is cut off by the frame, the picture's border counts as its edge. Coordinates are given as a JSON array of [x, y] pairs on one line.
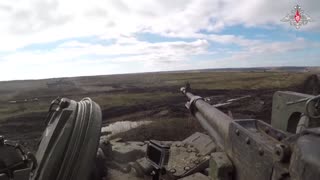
[[221, 167], [202, 142], [251, 150], [190, 156], [284, 104], [196, 176], [305, 160]]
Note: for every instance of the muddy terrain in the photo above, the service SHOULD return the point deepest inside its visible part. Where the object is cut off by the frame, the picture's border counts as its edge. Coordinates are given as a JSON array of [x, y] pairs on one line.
[[152, 99]]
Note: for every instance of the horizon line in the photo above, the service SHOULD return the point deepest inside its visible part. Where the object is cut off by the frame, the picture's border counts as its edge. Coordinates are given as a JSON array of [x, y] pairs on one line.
[[170, 71]]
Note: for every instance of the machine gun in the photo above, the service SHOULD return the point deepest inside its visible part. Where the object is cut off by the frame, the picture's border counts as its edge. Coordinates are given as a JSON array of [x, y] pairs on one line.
[[252, 149]]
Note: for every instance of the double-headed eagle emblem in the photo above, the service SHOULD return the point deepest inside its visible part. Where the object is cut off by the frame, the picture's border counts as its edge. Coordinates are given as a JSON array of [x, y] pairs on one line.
[[297, 17]]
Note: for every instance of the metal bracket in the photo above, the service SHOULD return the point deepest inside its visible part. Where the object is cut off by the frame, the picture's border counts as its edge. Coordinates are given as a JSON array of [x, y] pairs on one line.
[[221, 167], [189, 105]]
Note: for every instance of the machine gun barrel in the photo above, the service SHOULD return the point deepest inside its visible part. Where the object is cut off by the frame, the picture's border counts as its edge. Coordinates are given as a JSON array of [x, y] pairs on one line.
[[214, 121]]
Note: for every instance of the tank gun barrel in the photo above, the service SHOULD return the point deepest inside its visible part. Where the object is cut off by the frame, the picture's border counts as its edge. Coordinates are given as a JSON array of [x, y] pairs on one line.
[[214, 121]]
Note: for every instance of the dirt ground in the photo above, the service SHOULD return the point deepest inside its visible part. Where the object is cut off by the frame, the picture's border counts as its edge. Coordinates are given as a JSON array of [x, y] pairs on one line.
[[163, 105], [172, 121]]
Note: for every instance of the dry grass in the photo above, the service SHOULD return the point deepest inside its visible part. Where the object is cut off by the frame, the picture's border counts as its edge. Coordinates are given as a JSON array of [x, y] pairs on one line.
[[119, 90], [129, 97]]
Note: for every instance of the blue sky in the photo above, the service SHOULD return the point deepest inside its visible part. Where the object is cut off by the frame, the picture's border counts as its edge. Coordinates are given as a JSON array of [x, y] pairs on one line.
[[60, 38]]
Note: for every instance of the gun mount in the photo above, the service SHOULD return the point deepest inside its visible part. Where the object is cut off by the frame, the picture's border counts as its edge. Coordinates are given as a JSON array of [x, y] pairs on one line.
[[258, 150], [292, 111]]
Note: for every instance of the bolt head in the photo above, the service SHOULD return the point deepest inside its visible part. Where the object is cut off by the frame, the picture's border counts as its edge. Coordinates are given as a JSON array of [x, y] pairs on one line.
[[267, 130], [237, 132], [279, 137], [278, 151], [247, 140], [187, 168], [282, 153], [261, 152], [173, 170]]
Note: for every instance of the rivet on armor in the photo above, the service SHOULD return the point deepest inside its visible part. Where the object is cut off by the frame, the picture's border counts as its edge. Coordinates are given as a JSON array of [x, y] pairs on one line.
[[282, 153], [184, 145], [247, 140], [153, 173], [279, 137], [237, 132], [261, 152]]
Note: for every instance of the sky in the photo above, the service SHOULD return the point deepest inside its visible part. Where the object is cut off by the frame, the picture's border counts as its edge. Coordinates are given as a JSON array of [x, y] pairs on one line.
[[63, 38]]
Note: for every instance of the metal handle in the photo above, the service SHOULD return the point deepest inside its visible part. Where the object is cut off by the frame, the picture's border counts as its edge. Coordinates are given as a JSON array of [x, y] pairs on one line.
[[316, 107]]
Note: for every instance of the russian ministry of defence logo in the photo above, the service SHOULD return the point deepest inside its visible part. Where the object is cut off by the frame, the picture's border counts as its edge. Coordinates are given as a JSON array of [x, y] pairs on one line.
[[297, 17]]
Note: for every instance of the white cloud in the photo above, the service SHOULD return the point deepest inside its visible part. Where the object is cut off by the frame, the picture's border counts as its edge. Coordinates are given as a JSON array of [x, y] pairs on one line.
[[41, 21], [35, 21], [76, 58], [232, 39], [132, 46]]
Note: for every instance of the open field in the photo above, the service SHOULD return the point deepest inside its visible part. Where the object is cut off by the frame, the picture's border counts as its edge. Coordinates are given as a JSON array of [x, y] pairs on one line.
[[135, 97]]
